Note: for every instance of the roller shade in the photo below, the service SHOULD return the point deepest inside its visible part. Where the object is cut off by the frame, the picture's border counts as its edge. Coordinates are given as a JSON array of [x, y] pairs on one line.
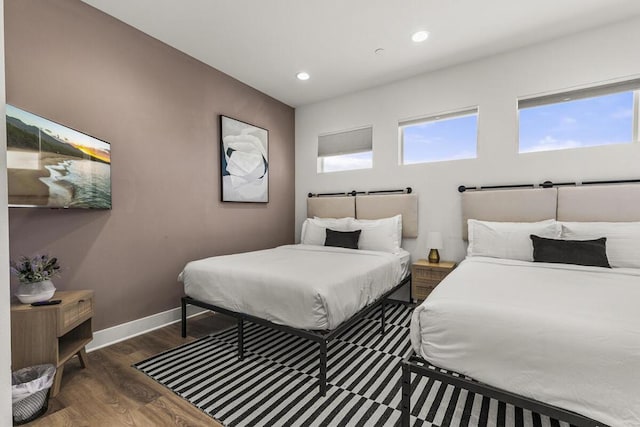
[[608, 89], [438, 117], [347, 142]]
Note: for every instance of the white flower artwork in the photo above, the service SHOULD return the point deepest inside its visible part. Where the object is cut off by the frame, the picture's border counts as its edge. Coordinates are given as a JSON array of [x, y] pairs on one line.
[[245, 161]]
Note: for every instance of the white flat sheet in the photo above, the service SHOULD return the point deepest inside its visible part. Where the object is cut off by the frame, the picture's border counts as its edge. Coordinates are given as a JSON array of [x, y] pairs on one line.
[[303, 286], [565, 335]]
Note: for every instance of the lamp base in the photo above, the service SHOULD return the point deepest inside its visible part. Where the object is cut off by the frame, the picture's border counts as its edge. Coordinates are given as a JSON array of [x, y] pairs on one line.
[[434, 256]]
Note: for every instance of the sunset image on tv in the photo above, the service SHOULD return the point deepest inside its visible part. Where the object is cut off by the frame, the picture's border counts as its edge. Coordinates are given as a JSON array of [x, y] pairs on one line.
[[50, 165]]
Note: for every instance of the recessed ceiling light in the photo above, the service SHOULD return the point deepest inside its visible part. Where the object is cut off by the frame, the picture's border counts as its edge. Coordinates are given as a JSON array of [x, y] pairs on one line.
[[303, 75], [420, 36]]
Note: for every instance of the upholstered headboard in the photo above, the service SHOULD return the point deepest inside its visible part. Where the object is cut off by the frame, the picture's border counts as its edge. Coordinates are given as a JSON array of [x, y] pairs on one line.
[[518, 205], [614, 202], [331, 207], [369, 206], [611, 203], [384, 206]]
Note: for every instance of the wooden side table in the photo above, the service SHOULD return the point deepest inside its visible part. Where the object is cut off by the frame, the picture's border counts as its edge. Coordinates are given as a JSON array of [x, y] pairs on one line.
[[52, 333], [425, 276]]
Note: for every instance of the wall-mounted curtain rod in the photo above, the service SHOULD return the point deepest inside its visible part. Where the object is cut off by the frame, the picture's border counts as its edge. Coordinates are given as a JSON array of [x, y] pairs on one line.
[[407, 190], [549, 184], [546, 184], [621, 181], [464, 188]]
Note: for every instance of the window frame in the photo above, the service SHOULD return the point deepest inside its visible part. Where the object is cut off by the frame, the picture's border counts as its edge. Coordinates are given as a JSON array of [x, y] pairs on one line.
[[439, 117], [595, 91], [636, 116], [321, 159]]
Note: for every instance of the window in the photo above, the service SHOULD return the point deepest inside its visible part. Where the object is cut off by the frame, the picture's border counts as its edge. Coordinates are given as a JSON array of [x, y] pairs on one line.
[[449, 136], [346, 150], [602, 115]]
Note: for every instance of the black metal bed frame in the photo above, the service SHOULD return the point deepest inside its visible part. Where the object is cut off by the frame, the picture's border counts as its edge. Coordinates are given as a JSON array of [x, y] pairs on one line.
[[415, 364], [320, 337]]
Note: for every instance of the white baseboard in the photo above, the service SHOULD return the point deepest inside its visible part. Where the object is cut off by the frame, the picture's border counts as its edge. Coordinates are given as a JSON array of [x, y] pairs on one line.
[[137, 327]]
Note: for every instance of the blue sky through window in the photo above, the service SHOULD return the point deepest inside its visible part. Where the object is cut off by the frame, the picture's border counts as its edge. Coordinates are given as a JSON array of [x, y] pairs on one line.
[[435, 141], [345, 162], [585, 122]]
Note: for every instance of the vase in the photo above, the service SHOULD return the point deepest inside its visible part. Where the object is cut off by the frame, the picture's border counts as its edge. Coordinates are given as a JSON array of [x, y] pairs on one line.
[[29, 293]]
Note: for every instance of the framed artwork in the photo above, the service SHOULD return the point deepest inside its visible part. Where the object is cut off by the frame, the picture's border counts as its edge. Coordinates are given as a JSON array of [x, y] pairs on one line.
[[244, 161]]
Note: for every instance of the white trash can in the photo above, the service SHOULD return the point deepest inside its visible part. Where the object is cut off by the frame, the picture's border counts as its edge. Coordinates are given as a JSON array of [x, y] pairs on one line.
[[30, 392]]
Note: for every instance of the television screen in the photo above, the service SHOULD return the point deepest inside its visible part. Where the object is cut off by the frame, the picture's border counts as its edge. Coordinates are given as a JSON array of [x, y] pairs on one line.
[[53, 166]]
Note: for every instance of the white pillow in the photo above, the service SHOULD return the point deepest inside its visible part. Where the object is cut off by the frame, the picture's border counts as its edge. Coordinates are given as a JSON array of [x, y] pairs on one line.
[[384, 235], [623, 239], [341, 224], [508, 240], [314, 231]]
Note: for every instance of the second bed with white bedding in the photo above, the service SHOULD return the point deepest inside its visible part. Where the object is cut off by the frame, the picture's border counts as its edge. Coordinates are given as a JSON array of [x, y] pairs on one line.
[[303, 286], [562, 334]]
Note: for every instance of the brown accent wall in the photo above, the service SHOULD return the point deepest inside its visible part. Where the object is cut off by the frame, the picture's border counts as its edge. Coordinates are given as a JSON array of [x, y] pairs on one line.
[[158, 108]]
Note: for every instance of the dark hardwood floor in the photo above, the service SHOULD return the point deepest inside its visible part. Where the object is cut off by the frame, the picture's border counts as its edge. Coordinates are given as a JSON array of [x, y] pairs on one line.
[[112, 393]]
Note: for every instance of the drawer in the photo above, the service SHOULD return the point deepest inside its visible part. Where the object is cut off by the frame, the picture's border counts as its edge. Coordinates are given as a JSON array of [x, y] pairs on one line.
[[73, 313], [428, 274], [421, 293], [85, 308], [422, 288]]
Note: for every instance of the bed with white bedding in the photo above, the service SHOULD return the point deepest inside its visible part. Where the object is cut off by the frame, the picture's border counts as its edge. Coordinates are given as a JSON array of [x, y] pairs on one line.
[[543, 312], [565, 335], [343, 270], [322, 286]]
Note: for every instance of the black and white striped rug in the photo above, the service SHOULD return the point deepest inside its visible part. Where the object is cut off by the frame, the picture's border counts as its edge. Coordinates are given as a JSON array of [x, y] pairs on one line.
[[275, 385]]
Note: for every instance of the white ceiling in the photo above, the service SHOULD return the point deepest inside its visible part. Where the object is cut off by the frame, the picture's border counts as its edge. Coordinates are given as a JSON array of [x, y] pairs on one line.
[[264, 43]]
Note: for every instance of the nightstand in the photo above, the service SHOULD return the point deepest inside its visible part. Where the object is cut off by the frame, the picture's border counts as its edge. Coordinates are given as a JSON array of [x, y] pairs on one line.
[[52, 333], [425, 276]]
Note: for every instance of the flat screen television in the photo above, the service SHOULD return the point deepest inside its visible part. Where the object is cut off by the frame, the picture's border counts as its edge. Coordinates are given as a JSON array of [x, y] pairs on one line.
[[50, 165]]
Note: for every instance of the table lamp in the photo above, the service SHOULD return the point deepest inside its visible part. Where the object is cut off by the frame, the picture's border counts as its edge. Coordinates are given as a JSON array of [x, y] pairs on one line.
[[434, 242]]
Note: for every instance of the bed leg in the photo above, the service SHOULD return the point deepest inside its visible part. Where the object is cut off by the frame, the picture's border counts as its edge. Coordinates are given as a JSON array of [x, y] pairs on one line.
[[406, 395], [322, 376], [184, 317], [240, 338], [382, 318]]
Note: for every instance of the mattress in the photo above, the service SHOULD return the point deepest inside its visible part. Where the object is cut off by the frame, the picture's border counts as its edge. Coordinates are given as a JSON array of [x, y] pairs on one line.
[[565, 335], [303, 286]]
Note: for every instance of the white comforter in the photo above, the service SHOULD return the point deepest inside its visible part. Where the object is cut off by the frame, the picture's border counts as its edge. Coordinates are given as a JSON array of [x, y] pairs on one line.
[[565, 335], [307, 287]]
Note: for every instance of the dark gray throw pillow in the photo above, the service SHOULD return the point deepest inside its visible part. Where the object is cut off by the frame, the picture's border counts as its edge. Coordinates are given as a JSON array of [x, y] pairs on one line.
[[342, 239], [579, 252]]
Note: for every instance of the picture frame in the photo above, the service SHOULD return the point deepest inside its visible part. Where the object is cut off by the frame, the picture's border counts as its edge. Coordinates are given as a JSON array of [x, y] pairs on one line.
[[244, 162]]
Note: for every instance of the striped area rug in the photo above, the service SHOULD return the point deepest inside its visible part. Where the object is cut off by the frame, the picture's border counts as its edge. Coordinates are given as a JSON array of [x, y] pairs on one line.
[[275, 385]]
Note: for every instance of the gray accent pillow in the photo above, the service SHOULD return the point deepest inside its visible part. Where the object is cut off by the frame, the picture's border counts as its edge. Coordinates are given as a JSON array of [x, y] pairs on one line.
[[579, 252], [342, 239]]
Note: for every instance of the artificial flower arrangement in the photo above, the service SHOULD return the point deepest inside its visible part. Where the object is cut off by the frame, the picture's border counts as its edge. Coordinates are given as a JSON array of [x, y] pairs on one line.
[[34, 270]]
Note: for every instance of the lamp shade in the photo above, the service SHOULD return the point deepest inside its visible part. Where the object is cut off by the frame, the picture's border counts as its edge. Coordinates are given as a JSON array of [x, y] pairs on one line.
[[434, 240]]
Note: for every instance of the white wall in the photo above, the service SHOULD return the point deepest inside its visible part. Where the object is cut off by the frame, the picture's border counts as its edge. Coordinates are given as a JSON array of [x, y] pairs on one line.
[[494, 84], [5, 319]]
